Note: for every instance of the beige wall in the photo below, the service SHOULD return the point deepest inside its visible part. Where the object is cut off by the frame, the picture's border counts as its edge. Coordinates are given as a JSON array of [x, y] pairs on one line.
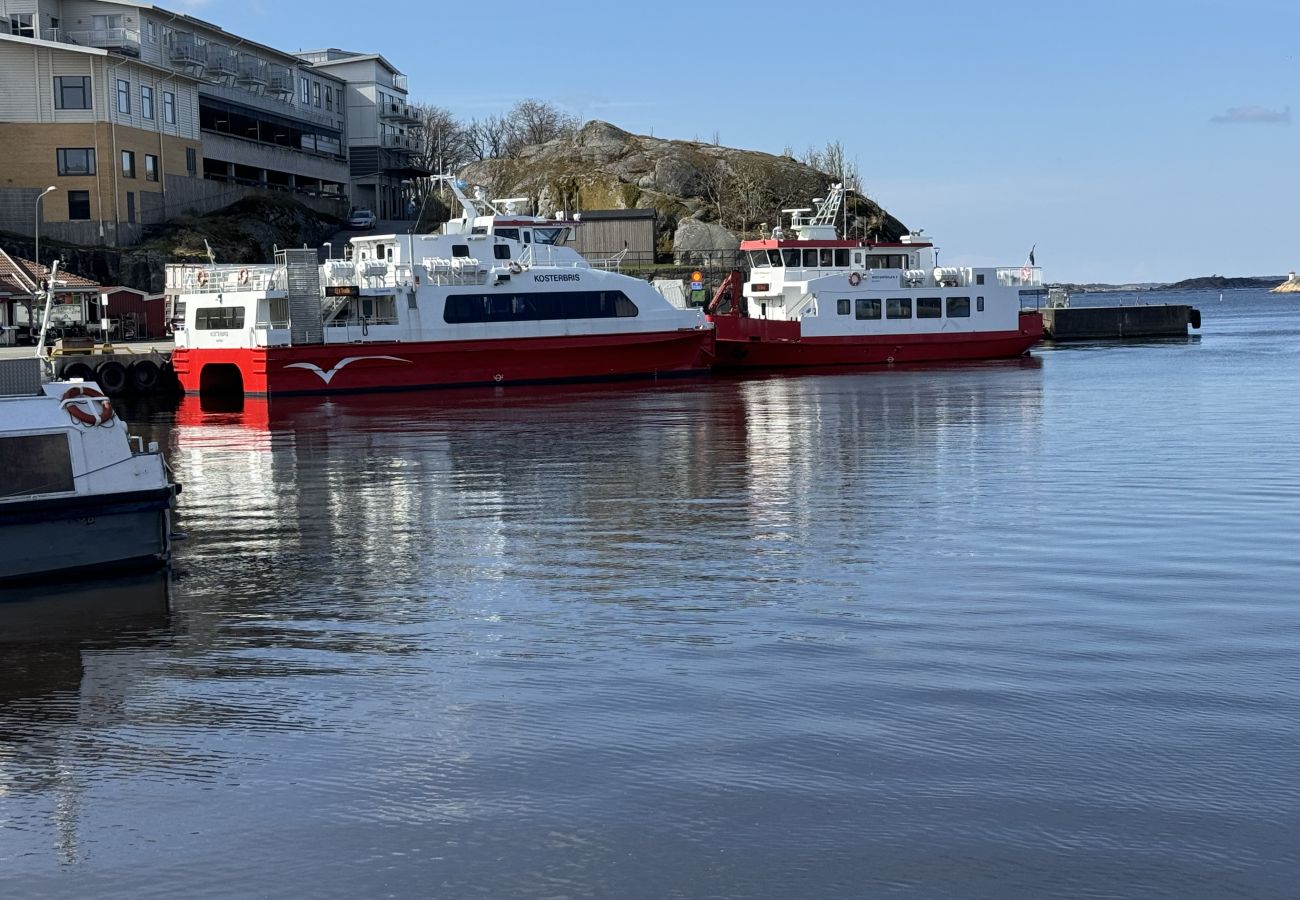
[[29, 159]]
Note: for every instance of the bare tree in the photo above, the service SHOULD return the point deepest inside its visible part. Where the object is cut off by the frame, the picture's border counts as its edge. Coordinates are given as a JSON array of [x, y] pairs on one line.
[[488, 138], [833, 160], [445, 144], [536, 122]]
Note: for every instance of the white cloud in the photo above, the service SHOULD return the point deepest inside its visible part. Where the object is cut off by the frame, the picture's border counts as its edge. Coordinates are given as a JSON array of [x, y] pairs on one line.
[[1253, 115]]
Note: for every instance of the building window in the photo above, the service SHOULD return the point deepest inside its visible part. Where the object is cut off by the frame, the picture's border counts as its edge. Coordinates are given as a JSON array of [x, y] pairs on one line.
[[191, 161], [842, 306], [929, 307], [79, 205], [146, 102], [76, 160], [150, 31], [130, 207], [128, 163], [72, 92], [315, 90], [304, 91], [169, 107], [21, 25], [959, 307], [868, 308], [329, 98], [150, 167], [124, 96]]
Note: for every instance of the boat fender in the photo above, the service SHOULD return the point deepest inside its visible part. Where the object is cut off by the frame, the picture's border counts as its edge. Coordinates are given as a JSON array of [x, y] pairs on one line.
[[855, 279], [1195, 317], [70, 401], [515, 268], [243, 275]]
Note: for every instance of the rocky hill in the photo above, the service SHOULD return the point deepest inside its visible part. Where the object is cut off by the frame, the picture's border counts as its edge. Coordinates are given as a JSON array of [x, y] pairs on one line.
[[702, 192]]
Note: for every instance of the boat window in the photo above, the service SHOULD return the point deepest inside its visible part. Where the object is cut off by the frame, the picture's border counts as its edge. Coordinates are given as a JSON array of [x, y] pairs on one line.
[[810, 259], [857, 259], [219, 318], [979, 304], [461, 250], [979, 278], [842, 257], [478, 229], [510, 234], [774, 257], [958, 307], [898, 308], [828, 257], [501, 251], [757, 259], [548, 235], [842, 306], [887, 261], [791, 257], [869, 308], [535, 307], [929, 307], [35, 464]]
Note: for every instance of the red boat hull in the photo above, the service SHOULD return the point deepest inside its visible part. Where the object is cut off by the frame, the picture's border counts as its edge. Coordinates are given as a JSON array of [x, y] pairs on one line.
[[339, 368], [745, 343]]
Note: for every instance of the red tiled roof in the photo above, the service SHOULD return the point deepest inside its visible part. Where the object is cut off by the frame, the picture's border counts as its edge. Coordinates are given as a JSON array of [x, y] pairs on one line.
[[18, 275]]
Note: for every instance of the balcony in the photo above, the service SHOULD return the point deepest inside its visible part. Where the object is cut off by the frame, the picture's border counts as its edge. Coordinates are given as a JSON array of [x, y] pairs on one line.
[[409, 142], [186, 53], [252, 72], [279, 80], [396, 111], [222, 62], [120, 40], [399, 82]]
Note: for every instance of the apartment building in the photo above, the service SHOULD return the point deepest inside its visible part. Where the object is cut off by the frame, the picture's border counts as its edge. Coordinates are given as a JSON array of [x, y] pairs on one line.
[[383, 131], [138, 114]]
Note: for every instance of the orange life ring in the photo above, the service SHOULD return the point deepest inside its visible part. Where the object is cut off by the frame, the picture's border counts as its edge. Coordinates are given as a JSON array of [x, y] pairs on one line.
[[1025, 272], [855, 279], [202, 277], [243, 275], [89, 419]]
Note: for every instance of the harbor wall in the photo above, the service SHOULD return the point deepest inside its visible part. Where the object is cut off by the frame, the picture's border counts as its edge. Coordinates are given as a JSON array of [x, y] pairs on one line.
[[1101, 322]]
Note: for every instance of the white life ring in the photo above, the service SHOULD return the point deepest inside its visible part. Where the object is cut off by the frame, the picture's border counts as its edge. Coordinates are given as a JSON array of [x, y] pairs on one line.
[[855, 279], [202, 277], [1025, 272], [515, 268], [243, 275]]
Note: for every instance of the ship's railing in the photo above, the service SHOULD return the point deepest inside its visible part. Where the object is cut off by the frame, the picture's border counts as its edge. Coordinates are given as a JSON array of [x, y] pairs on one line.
[[547, 255], [372, 274], [215, 279], [1024, 276]]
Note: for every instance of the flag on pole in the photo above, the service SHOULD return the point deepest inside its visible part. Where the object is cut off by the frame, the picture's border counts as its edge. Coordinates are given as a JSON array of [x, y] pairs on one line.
[[1031, 254]]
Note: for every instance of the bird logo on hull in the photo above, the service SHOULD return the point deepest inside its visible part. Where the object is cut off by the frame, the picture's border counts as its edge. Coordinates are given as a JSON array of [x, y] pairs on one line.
[[338, 366]]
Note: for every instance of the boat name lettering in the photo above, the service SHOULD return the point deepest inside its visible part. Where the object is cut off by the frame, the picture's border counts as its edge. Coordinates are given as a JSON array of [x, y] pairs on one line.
[[567, 277]]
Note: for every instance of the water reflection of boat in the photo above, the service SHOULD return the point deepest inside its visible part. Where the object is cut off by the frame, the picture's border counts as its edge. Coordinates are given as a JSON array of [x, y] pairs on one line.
[[45, 628]]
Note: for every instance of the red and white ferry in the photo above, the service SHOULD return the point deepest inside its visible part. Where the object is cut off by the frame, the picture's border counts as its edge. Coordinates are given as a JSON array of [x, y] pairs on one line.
[[493, 299], [815, 299]]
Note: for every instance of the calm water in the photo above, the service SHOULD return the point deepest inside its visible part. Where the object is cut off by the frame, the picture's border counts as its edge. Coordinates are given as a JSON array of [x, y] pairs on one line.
[[1017, 630]]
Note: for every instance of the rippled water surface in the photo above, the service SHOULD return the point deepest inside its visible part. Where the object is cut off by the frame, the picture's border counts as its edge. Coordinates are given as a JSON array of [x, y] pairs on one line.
[[1015, 630]]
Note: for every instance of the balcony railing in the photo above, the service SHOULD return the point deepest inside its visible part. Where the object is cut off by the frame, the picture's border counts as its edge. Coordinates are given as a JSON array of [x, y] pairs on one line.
[[252, 70], [183, 50], [402, 142], [398, 112], [222, 61], [399, 82], [123, 40]]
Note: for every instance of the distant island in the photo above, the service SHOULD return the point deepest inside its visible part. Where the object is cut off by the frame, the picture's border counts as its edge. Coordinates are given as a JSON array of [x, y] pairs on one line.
[[1204, 283]]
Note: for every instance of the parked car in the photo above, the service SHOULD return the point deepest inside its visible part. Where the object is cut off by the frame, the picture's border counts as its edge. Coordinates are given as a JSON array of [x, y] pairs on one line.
[[361, 218]]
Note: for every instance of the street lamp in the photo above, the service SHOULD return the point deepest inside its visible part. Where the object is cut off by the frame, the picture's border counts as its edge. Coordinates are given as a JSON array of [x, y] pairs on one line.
[[38, 226]]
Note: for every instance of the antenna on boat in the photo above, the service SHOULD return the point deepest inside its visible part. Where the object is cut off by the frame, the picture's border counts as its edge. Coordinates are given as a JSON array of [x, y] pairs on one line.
[[45, 317]]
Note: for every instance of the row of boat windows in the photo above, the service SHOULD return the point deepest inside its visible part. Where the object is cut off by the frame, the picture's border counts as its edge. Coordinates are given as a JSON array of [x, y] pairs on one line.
[[219, 318], [468, 308], [901, 307], [35, 464], [825, 258]]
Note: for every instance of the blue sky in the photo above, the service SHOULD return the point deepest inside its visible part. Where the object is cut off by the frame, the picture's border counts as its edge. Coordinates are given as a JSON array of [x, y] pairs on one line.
[[1149, 140]]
